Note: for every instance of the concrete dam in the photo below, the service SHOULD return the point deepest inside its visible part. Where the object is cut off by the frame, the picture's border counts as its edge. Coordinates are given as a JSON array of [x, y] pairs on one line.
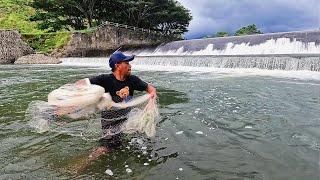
[[282, 51], [301, 42]]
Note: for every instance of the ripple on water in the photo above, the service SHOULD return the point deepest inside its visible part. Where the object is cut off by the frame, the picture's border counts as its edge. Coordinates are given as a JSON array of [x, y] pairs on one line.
[[234, 126]]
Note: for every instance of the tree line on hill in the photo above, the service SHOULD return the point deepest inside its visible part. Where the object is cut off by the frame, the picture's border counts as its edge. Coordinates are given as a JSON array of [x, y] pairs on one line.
[[168, 17], [247, 30]]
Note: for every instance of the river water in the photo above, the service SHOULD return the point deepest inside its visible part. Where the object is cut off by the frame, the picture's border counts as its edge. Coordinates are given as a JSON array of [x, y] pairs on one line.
[[214, 124]]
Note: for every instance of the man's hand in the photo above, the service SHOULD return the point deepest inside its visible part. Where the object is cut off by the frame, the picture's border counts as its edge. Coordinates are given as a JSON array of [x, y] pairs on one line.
[[152, 91]]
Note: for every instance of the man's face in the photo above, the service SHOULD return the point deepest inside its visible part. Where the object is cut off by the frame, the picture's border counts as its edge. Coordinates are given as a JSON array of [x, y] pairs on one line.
[[124, 68]]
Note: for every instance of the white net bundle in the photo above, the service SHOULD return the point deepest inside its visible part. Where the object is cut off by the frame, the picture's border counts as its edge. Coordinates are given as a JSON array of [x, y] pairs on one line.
[[89, 112], [142, 120]]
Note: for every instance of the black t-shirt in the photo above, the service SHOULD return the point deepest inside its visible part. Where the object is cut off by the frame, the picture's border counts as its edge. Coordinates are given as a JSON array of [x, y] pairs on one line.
[[119, 90]]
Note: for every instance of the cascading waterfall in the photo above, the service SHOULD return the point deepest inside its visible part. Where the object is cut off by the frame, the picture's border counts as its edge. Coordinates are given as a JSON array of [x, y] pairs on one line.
[[281, 51], [270, 62], [272, 46], [304, 42], [260, 62]]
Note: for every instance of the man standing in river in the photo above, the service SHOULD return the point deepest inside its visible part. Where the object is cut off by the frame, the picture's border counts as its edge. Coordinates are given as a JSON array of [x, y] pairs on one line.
[[121, 85]]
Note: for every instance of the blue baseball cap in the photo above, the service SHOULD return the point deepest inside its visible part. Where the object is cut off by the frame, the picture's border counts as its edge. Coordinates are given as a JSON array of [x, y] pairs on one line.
[[117, 57]]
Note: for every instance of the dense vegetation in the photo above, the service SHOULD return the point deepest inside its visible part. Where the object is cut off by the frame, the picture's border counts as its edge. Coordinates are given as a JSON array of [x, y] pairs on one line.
[[46, 24], [47, 42], [247, 30], [221, 34], [35, 16], [166, 16], [14, 14]]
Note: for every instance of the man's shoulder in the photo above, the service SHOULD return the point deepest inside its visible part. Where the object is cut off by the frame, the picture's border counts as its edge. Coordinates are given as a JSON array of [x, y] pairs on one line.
[[133, 78], [138, 84], [101, 78], [105, 76]]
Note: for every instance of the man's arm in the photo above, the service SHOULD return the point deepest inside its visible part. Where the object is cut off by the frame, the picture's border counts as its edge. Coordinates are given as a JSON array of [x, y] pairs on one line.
[[152, 91]]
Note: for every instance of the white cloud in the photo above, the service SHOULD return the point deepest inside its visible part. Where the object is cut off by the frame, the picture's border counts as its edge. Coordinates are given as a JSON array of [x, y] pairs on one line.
[[210, 16]]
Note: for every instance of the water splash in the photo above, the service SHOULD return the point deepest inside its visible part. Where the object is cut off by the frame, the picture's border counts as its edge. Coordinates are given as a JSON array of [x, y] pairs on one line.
[[269, 62]]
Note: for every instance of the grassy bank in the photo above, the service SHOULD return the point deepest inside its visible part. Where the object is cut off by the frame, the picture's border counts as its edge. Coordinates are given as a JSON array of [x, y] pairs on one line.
[[14, 14], [46, 42]]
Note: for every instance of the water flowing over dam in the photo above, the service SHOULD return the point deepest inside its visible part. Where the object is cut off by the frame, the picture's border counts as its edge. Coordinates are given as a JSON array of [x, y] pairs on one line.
[[301, 42], [269, 62], [277, 51]]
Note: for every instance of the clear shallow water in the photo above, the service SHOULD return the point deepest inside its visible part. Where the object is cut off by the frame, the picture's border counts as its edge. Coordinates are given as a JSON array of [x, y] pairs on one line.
[[220, 124]]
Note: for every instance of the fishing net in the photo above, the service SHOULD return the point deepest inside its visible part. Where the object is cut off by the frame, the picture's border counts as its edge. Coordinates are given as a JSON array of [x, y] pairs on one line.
[[88, 112]]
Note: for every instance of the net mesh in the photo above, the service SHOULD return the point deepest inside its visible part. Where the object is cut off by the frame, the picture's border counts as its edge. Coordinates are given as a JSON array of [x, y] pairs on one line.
[[101, 119]]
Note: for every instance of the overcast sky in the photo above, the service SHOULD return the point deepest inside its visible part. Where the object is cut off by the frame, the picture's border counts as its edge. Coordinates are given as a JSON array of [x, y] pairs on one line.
[[211, 16]]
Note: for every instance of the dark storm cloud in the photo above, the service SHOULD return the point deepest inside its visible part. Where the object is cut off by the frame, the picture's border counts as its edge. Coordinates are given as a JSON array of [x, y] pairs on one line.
[[210, 16]]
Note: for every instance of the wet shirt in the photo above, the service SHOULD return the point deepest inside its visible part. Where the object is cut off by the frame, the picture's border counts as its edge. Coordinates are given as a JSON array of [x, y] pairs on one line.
[[119, 90]]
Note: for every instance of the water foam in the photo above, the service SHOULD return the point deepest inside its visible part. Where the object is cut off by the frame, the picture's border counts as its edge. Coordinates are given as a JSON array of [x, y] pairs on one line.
[[272, 46], [299, 42], [147, 64], [228, 72]]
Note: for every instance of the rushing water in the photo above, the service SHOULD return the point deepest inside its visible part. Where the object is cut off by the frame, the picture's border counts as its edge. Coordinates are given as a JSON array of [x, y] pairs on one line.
[[300, 42], [214, 124], [270, 62]]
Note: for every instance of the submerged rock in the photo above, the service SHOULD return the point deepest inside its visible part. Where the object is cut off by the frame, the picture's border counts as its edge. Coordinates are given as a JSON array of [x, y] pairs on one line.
[[37, 59]]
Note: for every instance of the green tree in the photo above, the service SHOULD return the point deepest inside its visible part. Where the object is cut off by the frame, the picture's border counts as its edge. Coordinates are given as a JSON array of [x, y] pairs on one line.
[[136, 12], [221, 34], [207, 36], [251, 29], [171, 18], [85, 7], [58, 14], [166, 16], [14, 15], [109, 10]]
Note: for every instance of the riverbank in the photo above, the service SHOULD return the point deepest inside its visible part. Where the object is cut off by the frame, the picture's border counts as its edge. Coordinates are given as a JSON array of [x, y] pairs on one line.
[[99, 42], [12, 46]]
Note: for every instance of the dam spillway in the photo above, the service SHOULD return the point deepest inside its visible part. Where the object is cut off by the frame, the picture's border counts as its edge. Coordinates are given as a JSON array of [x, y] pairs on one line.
[[276, 51], [291, 62], [300, 42]]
